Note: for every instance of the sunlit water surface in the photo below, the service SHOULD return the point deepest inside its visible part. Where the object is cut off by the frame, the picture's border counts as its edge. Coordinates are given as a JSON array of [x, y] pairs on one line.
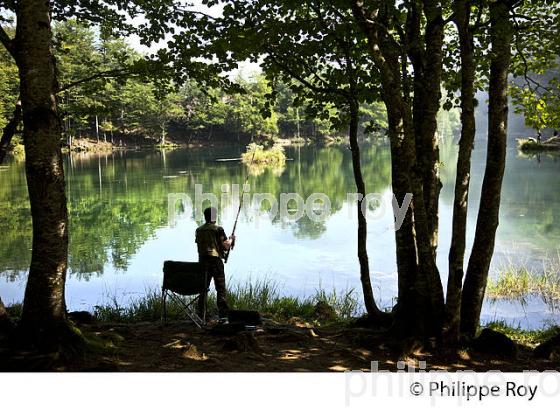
[[120, 232]]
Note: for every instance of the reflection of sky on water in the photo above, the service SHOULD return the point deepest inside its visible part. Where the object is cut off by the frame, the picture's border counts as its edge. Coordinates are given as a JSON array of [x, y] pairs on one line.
[[300, 257]]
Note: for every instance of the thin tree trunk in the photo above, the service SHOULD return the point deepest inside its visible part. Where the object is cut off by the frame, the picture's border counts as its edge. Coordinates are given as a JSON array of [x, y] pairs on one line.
[[163, 134], [462, 181], [427, 56], [297, 121], [9, 131], [488, 215], [369, 300], [44, 309], [97, 128]]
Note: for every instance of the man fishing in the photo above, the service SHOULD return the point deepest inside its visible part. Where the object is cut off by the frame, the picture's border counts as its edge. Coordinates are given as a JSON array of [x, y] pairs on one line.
[[212, 244]]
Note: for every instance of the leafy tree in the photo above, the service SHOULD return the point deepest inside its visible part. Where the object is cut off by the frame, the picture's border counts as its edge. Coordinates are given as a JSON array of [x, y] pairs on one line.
[[541, 109], [44, 313], [44, 309], [8, 85], [10, 111], [535, 66], [310, 48]]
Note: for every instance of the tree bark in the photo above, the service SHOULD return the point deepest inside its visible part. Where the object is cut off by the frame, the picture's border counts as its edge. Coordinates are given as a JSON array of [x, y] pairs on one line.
[[501, 32], [407, 259], [44, 308], [369, 300], [426, 55], [462, 10], [427, 59], [9, 131], [420, 307]]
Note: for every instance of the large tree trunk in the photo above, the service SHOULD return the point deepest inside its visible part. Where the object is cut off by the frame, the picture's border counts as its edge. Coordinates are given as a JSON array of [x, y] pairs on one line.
[[420, 307], [405, 237], [44, 309], [426, 55], [488, 215], [462, 181], [369, 300]]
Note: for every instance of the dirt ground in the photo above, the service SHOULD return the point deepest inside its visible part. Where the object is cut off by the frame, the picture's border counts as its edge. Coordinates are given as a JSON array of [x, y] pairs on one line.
[[291, 347]]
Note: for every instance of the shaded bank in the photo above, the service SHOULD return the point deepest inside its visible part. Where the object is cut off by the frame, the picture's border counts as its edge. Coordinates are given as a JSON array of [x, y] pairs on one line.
[[292, 344]]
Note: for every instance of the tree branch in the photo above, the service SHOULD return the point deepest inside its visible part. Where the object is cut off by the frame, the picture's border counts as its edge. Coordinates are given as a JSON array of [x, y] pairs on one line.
[[528, 80], [7, 42], [120, 72], [302, 79], [9, 131]]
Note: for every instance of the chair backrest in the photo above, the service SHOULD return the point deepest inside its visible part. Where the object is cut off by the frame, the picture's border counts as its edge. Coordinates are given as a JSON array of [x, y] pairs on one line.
[[184, 278]]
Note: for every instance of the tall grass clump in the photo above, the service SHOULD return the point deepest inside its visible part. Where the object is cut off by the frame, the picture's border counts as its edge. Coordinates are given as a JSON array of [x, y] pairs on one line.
[[140, 309], [263, 296], [518, 282]]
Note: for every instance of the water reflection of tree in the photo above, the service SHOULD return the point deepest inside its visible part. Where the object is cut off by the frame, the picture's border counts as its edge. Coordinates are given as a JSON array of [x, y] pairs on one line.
[[107, 217], [311, 170], [258, 169], [305, 228], [113, 215], [117, 201], [325, 170], [15, 222], [531, 196]]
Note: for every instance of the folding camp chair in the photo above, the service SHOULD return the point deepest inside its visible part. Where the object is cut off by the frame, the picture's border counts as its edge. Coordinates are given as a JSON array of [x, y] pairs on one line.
[[184, 279]]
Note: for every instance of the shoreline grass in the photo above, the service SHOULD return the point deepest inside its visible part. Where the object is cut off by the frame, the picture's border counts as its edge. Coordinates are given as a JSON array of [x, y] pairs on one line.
[[518, 282], [263, 296], [336, 306], [528, 338]]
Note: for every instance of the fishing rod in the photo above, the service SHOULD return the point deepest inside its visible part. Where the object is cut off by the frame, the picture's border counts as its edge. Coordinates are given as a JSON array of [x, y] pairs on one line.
[[226, 257]]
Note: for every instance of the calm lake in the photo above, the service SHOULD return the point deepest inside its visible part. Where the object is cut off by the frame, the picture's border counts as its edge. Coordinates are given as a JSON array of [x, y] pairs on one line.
[[120, 233]]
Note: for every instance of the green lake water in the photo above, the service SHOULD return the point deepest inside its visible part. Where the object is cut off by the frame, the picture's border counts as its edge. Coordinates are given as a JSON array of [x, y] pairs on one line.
[[120, 233]]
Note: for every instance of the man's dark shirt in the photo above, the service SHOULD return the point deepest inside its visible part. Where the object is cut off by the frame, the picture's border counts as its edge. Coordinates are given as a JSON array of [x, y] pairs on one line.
[[209, 240]]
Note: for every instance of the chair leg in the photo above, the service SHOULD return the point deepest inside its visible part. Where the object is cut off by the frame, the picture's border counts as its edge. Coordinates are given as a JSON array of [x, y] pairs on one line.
[[205, 305], [164, 306], [204, 297], [204, 309]]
